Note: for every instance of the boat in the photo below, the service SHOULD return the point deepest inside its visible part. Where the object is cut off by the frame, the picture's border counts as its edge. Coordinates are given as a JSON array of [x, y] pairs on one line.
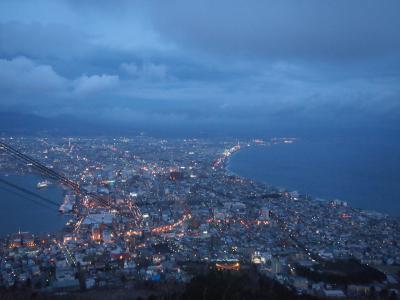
[[43, 184]]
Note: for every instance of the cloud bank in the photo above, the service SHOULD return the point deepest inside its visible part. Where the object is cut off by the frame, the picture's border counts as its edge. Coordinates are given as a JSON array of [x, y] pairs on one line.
[[232, 63]]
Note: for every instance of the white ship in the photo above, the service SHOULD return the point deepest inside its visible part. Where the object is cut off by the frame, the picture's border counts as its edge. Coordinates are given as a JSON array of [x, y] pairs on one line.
[[43, 184]]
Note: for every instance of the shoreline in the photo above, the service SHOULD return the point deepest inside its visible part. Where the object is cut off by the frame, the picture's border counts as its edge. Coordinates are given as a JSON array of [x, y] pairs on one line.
[[229, 172]]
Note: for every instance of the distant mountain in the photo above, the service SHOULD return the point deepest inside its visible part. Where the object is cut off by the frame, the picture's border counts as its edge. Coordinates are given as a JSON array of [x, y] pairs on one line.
[[13, 121], [31, 124]]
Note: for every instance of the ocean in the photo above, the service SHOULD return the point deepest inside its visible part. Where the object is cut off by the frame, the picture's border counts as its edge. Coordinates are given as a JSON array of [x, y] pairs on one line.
[[22, 212], [365, 172]]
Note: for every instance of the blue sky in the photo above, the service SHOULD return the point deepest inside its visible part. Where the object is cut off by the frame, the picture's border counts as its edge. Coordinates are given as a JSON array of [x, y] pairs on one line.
[[219, 63]]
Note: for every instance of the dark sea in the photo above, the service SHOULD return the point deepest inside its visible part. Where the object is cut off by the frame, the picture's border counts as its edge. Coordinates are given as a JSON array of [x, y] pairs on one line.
[[365, 172], [23, 212]]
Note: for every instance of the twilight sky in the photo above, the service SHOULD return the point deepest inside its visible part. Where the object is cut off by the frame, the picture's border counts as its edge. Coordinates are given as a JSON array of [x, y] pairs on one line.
[[312, 63]]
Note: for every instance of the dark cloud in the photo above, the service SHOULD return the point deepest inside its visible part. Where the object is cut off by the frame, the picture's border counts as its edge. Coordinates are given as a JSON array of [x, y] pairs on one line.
[[226, 62], [284, 29]]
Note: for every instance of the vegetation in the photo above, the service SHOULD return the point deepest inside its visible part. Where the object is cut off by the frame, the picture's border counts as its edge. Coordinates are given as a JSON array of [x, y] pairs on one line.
[[342, 272], [247, 284], [237, 285]]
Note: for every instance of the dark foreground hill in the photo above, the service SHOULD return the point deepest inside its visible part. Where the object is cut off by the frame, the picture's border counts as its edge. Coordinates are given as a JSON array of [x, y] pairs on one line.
[[246, 284]]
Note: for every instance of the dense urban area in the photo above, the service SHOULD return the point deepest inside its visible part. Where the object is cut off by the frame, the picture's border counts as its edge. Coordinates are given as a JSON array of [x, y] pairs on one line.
[[150, 216]]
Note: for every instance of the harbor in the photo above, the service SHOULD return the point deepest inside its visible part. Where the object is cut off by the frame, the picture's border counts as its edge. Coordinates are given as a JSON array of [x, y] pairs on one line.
[[22, 213]]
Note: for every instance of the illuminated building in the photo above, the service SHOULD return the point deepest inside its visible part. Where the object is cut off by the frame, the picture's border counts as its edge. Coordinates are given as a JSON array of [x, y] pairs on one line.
[[98, 232], [257, 258], [228, 265], [22, 239], [70, 237]]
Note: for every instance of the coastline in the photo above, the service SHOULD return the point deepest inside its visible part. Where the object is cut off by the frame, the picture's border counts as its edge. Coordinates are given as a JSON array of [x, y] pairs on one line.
[[228, 170]]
